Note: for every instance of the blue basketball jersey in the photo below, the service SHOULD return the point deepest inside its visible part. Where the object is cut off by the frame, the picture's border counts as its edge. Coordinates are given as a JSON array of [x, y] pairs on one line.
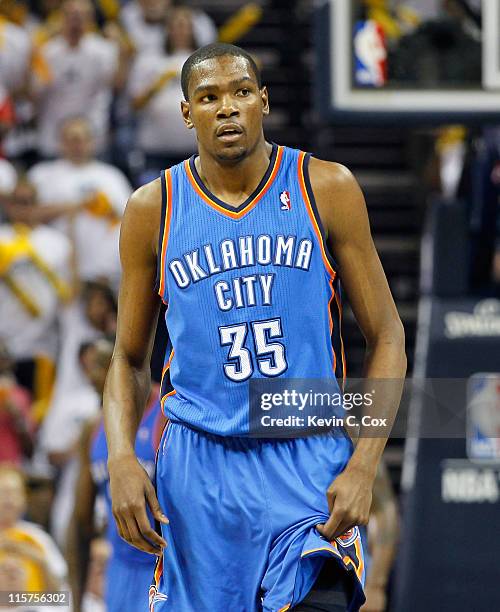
[[251, 292], [146, 453]]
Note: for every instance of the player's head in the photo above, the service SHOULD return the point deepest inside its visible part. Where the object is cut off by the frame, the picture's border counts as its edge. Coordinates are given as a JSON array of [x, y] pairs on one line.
[[224, 100]]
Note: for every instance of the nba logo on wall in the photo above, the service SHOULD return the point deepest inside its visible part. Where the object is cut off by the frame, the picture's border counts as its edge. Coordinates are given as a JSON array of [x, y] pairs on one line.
[[483, 417], [286, 203]]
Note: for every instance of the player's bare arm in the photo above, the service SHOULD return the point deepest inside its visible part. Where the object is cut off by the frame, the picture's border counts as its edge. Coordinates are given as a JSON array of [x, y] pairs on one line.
[[342, 209], [129, 377]]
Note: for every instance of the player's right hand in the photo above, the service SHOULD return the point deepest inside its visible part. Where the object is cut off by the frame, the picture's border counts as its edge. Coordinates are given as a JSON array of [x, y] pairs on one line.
[[131, 489]]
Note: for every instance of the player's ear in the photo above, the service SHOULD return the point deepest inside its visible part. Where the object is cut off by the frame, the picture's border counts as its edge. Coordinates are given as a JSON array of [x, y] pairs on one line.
[[185, 115], [265, 100]]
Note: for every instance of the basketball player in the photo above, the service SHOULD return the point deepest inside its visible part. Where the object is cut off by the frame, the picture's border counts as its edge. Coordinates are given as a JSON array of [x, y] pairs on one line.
[[239, 239], [128, 570]]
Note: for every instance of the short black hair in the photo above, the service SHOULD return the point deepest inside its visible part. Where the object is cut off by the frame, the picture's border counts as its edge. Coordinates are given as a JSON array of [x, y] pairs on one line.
[[209, 52]]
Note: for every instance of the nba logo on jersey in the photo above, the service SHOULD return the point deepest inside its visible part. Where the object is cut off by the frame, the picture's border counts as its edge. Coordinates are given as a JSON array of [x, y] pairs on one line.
[[286, 203]]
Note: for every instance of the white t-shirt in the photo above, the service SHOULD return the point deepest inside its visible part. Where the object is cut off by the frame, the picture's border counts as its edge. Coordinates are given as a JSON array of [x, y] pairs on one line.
[[24, 334], [15, 49], [96, 238], [161, 128], [79, 83], [152, 36], [8, 177], [64, 422], [75, 330]]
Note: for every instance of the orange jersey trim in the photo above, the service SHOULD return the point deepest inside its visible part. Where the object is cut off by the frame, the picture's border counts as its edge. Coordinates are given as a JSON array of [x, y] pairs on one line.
[[167, 365], [164, 399], [313, 550], [334, 295], [359, 554], [344, 365], [253, 202], [166, 229], [158, 571], [165, 370], [311, 214], [317, 231]]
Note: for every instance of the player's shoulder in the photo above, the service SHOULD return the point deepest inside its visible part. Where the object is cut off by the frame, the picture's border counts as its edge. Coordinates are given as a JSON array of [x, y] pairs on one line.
[[337, 194], [330, 176], [148, 197]]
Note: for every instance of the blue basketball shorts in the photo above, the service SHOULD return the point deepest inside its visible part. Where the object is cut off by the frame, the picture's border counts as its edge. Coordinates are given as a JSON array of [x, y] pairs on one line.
[[242, 514], [127, 584]]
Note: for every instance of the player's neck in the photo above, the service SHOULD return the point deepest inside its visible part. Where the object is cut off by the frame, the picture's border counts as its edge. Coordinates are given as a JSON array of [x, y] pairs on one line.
[[234, 182]]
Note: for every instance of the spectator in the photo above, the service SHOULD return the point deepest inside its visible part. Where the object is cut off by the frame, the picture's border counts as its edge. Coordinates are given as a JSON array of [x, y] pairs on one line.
[[8, 178], [16, 424], [93, 598], [35, 262], [58, 438], [14, 56], [74, 400], [7, 119], [383, 535], [156, 93], [75, 76], [82, 322], [96, 191], [29, 559], [144, 22], [8, 174]]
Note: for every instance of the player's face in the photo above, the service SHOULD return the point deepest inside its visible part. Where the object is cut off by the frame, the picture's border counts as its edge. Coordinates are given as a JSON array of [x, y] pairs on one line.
[[226, 107]]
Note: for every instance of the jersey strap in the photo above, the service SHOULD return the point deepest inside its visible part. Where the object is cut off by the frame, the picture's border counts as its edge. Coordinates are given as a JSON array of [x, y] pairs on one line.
[[335, 302], [166, 214]]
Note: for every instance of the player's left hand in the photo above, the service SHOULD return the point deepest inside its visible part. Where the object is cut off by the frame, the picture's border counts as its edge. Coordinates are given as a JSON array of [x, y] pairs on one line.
[[349, 501]]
